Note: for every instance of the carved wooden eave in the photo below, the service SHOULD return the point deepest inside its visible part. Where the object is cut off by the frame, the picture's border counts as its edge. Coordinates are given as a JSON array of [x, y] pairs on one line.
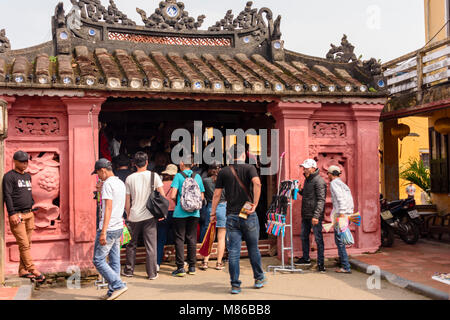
[[99, 49]]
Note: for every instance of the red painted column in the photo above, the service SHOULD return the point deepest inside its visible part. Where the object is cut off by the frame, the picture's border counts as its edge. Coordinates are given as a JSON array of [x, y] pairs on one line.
[[367, 174], [292, 119], [4, 101], [83, 147]]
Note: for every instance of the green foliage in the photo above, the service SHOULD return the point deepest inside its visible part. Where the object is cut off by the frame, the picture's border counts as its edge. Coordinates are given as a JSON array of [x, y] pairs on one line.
[[52, 58], [415, 172]]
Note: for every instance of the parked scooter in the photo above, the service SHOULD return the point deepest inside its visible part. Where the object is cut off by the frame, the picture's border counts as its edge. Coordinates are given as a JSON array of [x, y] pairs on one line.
[[399, 217]]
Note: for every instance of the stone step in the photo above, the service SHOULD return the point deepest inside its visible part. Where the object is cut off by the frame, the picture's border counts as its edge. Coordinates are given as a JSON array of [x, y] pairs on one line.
[[16, 282]]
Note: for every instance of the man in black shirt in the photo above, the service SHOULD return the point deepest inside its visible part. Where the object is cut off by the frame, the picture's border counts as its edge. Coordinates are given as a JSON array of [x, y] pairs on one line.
[[238, 227], [19, 202]]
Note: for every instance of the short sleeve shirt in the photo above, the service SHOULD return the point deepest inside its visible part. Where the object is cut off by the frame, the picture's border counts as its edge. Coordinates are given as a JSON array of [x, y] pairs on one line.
[[113, 189], [234, 194], [138, 187], [178, 184]]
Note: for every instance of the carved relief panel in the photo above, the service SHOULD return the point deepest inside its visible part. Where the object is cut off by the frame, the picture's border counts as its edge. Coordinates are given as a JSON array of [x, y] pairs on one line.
[[36, 126], [329, 130], [44, 170]]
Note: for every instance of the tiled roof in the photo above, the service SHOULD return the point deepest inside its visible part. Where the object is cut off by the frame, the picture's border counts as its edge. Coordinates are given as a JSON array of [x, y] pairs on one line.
[[99, 69]]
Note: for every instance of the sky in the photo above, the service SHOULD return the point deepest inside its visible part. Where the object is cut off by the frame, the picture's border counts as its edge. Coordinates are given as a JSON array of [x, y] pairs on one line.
[[383, 29]]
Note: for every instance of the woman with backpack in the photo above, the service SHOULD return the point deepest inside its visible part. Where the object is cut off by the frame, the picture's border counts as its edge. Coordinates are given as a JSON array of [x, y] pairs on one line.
[[188, 192]]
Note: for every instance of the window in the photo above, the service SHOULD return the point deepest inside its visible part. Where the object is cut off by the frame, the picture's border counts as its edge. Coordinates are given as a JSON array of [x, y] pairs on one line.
[[425, 157], [439, 162]]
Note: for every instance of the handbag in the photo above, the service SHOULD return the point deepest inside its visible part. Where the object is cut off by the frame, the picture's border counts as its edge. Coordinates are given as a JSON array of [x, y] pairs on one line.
[[248, 204], [126, 236], [157, 204], [208, 240]]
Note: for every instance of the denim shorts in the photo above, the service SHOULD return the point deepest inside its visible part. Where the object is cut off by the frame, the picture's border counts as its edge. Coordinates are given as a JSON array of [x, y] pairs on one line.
[[221, 215]]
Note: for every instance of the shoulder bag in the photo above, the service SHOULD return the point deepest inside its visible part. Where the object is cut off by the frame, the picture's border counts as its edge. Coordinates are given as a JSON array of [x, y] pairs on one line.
[[248, 204], [157, 204]]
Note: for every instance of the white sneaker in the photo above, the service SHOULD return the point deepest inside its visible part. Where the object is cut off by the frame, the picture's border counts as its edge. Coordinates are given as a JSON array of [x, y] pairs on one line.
[[117, 293], [157, 268]]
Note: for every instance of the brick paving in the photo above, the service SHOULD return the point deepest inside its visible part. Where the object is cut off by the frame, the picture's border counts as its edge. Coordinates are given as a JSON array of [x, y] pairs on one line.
[[8, 293], [417, 262]]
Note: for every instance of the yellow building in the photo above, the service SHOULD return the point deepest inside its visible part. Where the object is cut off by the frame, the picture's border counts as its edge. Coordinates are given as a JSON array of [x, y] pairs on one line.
[[414, 146], [436, 15], [418, 83]]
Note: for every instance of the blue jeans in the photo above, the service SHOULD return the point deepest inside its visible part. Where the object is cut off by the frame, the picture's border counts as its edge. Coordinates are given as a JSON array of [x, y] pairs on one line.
[[165, 236], [306, 230], [110, 271], [341, 250], [205, 216], [239, 229]]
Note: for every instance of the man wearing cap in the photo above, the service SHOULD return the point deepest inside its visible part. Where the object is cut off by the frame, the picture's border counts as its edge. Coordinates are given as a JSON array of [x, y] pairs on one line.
[[107, 241], [313, 207], [19, 202], [342, 200]]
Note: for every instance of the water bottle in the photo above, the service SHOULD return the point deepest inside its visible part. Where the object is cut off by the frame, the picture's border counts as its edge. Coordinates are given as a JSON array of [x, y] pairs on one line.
[[295, 192]]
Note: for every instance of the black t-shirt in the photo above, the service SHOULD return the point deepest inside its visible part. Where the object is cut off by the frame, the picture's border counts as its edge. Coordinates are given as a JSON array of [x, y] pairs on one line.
[[235, 195], [17, 192]]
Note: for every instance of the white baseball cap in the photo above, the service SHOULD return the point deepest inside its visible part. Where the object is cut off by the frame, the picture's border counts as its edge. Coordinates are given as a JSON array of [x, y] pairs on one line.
[[309, 163]]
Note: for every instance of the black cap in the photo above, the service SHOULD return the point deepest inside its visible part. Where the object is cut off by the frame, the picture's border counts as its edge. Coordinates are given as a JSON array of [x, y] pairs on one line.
[[102, 164], [21, 156]]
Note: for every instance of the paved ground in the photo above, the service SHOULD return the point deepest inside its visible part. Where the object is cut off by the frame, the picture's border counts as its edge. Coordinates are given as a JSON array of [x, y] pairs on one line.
[[416, 262], [8, 293], [214, 285]]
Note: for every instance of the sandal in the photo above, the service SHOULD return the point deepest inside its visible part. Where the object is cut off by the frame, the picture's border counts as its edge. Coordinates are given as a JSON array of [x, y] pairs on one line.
[[204, 265], [28, 276], [41, 279], [219, 266]]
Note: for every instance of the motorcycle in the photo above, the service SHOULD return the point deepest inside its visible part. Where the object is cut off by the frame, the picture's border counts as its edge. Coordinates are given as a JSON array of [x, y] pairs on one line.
[[399, 217]]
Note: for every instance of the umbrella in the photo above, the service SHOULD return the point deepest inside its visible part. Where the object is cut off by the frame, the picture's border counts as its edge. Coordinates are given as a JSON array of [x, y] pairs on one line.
[[208, 240]]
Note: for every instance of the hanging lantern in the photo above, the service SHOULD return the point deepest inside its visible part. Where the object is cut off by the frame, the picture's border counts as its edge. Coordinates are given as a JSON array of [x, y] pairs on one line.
[[442, 125], [400, 131]]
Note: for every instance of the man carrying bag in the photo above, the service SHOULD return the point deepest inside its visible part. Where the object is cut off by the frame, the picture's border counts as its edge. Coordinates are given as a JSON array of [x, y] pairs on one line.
[[242, 222], [139, 187]]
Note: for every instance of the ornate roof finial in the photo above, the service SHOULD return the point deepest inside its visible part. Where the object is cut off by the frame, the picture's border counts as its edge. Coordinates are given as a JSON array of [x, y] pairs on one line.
[[5, 45], [171, 14], [94, 11], [344, 53]]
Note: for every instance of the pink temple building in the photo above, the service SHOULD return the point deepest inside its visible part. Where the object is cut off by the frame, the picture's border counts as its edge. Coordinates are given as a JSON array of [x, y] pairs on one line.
[[145, 80]]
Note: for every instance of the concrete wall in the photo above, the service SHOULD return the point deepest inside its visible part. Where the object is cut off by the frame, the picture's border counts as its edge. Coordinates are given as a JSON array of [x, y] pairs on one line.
[[435, 17]]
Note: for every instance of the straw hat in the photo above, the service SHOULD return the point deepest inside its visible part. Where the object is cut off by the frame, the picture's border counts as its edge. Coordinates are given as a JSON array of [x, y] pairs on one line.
[[171, 170]]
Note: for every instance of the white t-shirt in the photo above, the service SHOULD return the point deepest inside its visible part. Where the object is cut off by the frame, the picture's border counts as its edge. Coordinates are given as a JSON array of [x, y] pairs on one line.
[[113, 189], [138, 187]]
